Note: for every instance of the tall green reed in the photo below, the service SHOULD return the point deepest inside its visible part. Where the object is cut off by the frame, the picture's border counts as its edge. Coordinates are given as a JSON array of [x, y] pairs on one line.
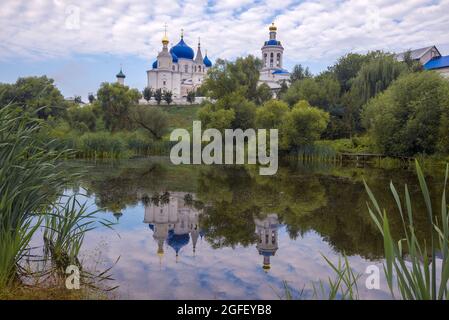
[[410, 267], [29, 181]]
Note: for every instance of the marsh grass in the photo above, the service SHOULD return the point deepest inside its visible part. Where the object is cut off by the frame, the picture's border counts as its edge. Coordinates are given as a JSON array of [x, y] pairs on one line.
[[411, 263]]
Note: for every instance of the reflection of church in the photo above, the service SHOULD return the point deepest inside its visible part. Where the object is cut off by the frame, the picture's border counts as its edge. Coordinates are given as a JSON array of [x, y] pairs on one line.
[[173, 222], [267, 234]]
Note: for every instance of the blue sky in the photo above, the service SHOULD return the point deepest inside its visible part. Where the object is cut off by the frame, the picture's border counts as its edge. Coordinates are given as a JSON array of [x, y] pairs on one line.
[[83, 43]]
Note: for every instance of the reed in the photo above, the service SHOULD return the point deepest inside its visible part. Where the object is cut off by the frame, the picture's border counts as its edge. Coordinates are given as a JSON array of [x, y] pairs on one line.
[[29, 179], [411, 264]]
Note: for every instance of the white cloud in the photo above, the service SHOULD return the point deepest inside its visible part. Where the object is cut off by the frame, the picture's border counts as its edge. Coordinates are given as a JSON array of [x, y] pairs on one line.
[[311, 30]]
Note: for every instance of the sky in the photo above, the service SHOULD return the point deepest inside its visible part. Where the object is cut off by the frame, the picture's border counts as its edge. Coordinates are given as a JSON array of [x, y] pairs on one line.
[[83, 43]]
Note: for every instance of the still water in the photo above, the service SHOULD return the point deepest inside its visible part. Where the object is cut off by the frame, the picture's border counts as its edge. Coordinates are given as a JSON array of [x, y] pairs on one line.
[[224, 232]]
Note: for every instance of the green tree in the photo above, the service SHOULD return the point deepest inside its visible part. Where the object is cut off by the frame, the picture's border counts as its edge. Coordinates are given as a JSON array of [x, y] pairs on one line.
[[115, 101], [191, 97], [227, 77], [82, 117], [147, 93], [347, 68], [37, 96], [409, 116], [158, 96], [302, 126], [91, 98], [218, 119], [168, 96], [263, 94], [271, 114], [151, 119], [282, 90], [299, 73]]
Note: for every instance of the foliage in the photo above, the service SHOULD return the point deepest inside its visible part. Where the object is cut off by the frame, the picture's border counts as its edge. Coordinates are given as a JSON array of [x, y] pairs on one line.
[[271, 114], [147, 93], [191, 97], [36, 96], [414, 275], [300, 73], [219, 119], [115, 101], [153, 120], [227, 77], [302, 126], [168, 96], [82, 118], [407, 118], [30, 177], [263, 94], [158, 96]]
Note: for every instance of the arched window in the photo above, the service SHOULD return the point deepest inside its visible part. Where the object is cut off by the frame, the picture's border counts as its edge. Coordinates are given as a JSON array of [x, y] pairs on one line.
[[186, 68], [278, 60], [271, 59], [265, 59]]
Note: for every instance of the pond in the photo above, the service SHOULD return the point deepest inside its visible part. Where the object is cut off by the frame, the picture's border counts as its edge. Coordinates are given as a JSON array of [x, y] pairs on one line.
[[225, 232]]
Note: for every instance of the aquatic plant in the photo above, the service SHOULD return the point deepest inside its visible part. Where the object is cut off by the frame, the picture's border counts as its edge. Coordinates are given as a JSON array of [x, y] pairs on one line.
[[29, 181], [411, 263]]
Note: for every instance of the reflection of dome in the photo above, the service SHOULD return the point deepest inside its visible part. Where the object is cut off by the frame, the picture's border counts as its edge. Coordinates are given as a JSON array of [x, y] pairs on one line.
[[182, 50], [117, 215], [151, 227], [177, 241]]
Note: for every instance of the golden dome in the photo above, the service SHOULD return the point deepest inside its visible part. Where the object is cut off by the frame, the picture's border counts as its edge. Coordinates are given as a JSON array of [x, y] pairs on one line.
[[273, 27], [165, 40], [266, 267]]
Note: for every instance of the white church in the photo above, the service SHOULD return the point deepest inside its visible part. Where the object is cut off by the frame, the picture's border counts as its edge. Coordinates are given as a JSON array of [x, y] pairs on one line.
[[178, 69]]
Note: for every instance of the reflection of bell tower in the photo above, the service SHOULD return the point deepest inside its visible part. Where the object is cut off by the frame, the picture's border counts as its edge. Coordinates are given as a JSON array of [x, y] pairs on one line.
[[267, 233]]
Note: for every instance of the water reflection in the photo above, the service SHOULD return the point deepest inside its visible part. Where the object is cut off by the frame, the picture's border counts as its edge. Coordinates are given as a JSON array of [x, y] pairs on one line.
[[216, 231]]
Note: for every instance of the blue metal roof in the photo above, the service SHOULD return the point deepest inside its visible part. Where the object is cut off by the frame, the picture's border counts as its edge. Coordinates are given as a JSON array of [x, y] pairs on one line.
[[207, 62], [272, 43], [280, 71], [437, 63], [155, 64], [182, 50]]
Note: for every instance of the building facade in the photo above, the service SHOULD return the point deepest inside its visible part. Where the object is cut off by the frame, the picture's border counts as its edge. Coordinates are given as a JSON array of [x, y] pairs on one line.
[[430, 58], [273, 73], [178, 69]]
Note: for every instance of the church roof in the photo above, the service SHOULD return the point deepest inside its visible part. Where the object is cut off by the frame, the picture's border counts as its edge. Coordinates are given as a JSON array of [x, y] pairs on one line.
[[207, 62], [155, 64], [182, 50], [280, 71], [177, 241], [272, 43], [437, 63], [415, 54], [120, 74]]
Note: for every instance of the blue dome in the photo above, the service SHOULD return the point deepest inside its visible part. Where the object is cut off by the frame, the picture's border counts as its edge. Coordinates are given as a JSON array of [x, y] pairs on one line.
[[207, 62], [175, 57], [280, 71], [272, 43], [177, 241], [182, 50], [155, 64]]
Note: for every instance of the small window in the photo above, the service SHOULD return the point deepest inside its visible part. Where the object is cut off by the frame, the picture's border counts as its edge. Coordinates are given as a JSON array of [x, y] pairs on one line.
[[164, 82], [186, 68]]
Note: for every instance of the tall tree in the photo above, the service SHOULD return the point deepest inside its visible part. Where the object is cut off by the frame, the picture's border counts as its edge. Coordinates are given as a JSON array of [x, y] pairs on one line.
[[151, 119], [37, 96], [158, 96], [168, 96], [299, 73], [115, 101], [147, 93], [191, 96]]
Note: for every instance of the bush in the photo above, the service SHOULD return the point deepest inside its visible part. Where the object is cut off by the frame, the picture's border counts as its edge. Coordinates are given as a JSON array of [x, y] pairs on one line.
[[409, 117], [101, 145]]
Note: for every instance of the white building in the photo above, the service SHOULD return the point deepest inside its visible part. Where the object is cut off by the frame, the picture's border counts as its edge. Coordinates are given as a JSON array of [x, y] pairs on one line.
[[173, 223], [273, 73], [178, 69], [267, 234], [430, 58]]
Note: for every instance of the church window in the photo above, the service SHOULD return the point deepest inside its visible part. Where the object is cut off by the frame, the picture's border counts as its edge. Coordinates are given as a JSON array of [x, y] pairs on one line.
[[266, 238], [173, 67], [186, 68], [195, 68], [278, 62], [164, 82]]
